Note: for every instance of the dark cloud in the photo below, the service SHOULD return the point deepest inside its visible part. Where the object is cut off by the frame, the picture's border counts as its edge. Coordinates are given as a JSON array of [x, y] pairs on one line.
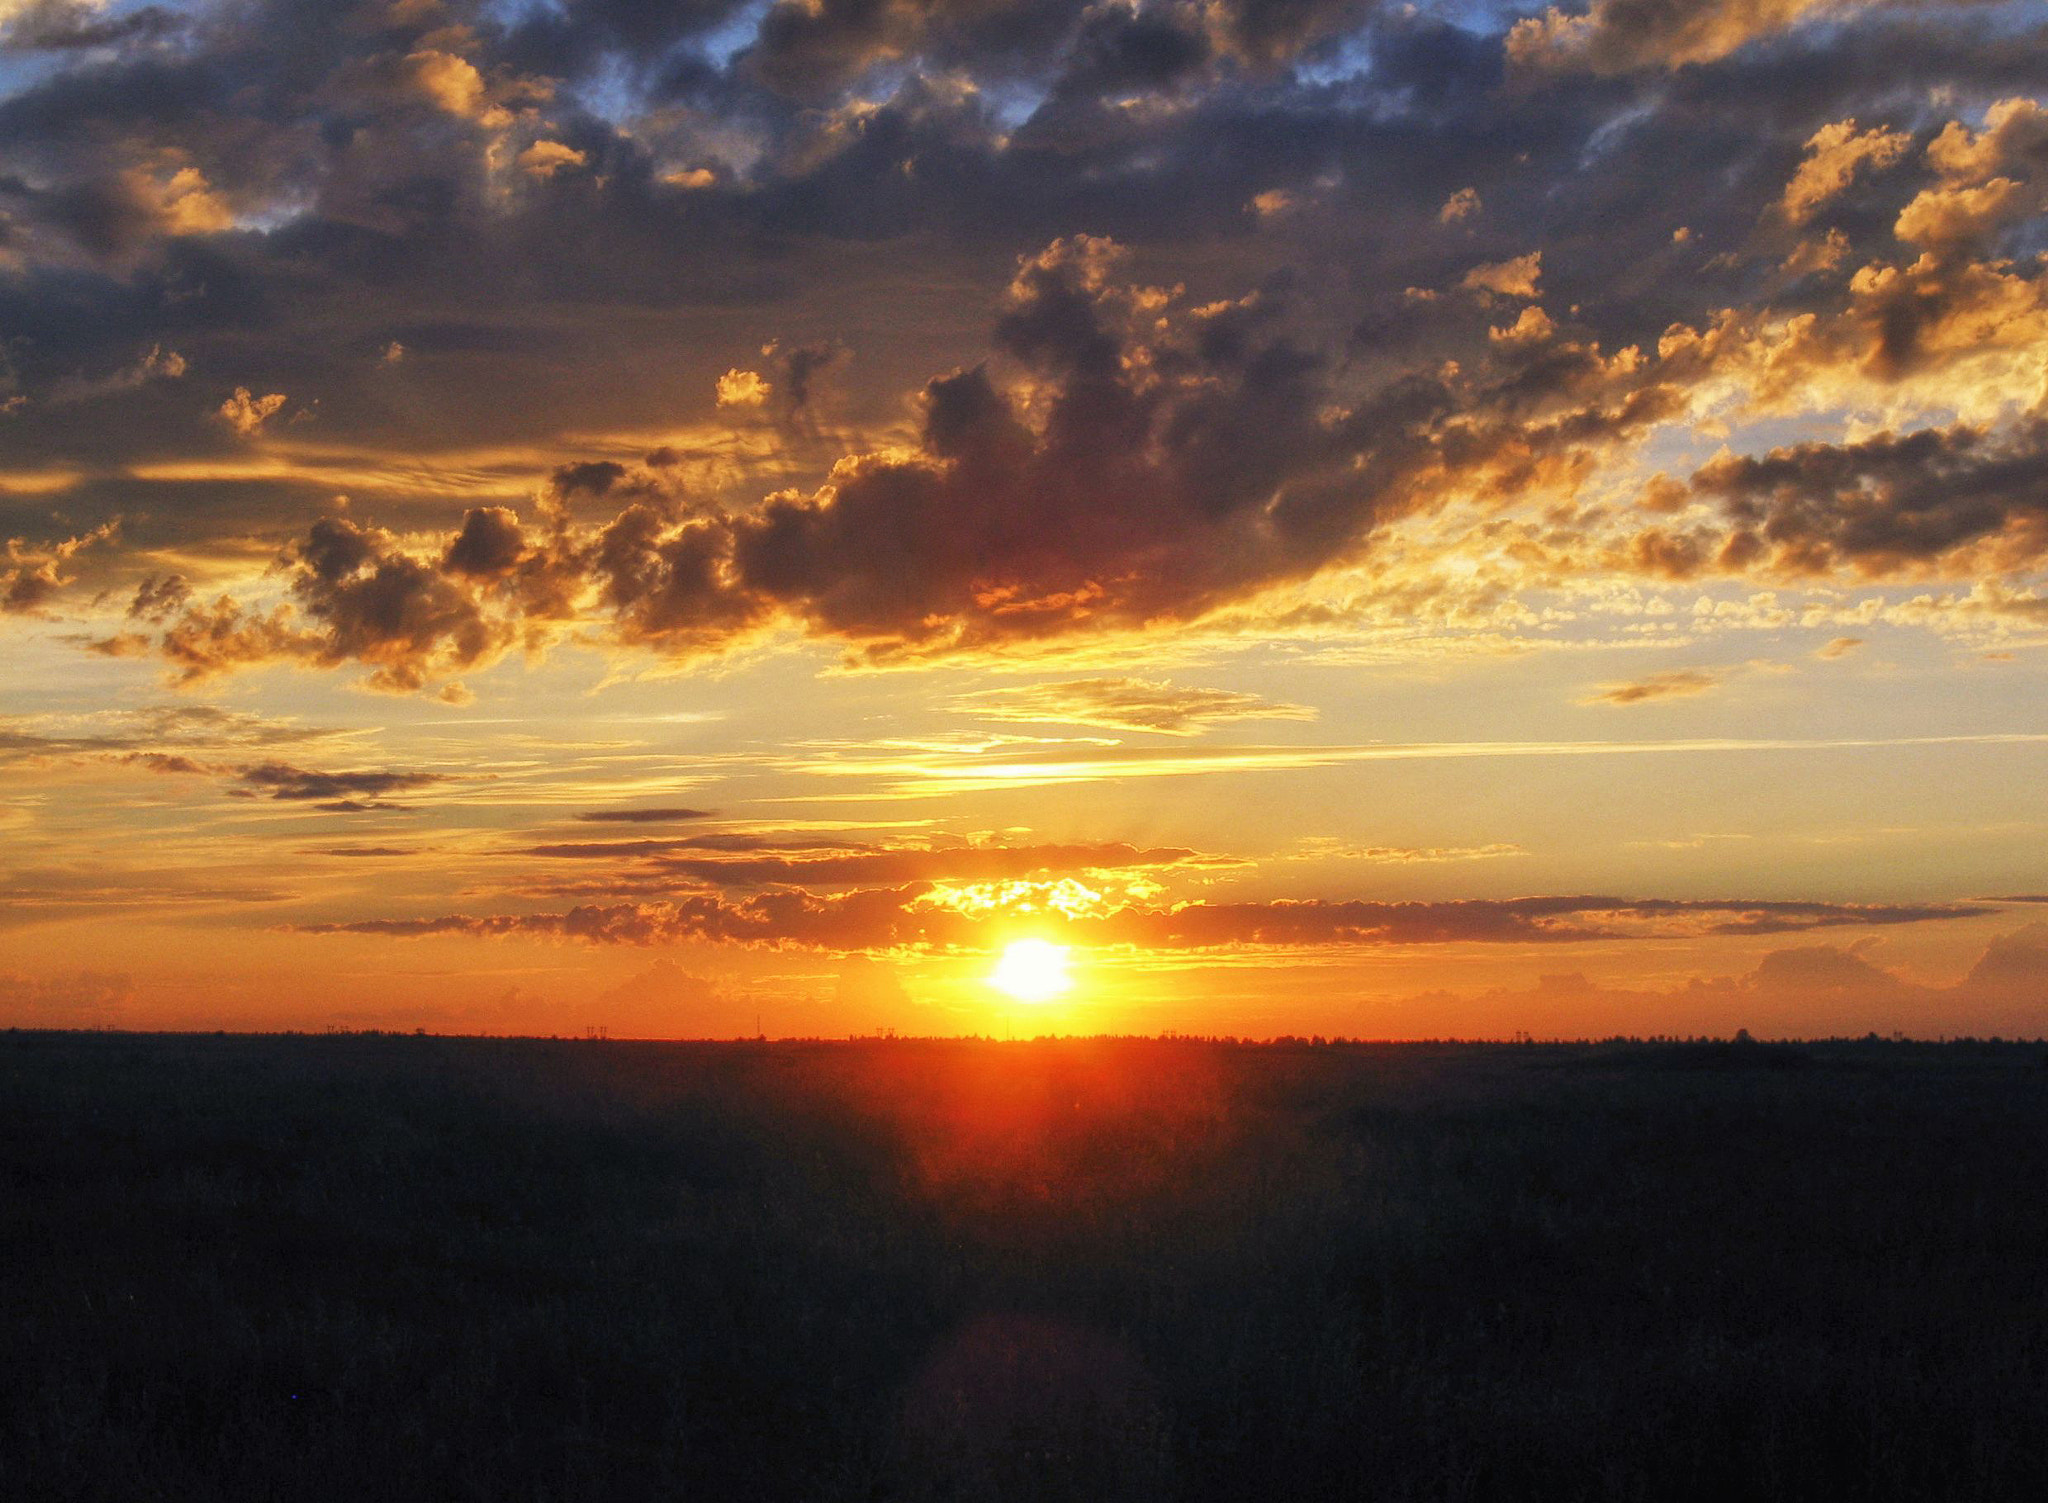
[[1283, 361], [489, 546], [1890, 500], [65, 25], [346, 791], [158, 596], [1213, 430]]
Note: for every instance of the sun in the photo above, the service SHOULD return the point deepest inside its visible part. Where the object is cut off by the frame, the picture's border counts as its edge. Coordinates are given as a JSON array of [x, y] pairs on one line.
[[1032, 970]]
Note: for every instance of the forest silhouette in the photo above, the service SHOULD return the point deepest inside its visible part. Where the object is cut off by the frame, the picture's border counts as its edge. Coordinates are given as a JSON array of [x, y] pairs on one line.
[[393, 1267]]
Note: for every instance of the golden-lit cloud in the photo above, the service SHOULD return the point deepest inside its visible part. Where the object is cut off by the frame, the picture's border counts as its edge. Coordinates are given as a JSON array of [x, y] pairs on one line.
[[1126, 704], [247, 414], [1514, 278], [1613, 36], [910, 918], [546, 158], [1834, 155], [738, 388]]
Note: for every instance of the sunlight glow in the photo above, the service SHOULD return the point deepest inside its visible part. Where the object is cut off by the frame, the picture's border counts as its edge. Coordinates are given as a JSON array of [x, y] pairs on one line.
[[1032, 970]]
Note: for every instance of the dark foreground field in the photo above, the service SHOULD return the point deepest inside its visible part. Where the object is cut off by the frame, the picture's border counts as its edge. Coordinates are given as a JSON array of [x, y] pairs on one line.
[[390, 1268]]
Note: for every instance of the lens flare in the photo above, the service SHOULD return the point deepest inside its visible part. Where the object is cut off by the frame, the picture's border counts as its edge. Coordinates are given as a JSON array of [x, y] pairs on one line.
[[1032, 970]]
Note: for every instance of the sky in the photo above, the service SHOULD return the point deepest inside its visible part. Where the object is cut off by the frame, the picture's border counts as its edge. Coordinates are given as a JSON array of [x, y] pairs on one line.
[[695, 519]]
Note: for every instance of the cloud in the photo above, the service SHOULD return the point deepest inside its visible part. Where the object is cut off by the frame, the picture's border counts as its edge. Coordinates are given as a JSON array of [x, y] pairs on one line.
[[738, 388], [1123, 454], [1211, 424], [878, 919], [662, 1001], [1802, 991], [660, 816], [151, 729], [155, 364], [68, 25], [1834, 155], [246, 414], [344, 791], [1675, 683], [1889, 500], [744, 861], [1328, 848], [1614, 36], [30, 575], [158, 597], [2014, 966], [544, 159], [79, 999], [1515, 278], [1127, 704], [446, 80], [412, 619]]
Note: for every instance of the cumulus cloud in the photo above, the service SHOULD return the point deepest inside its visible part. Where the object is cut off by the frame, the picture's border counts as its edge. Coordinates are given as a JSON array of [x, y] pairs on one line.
[[1799, 991], [31, 574], [78, 999], [2014, 966], [1834, 155], [546, 158], [738, 388], [1515, 278], [1123, 454], [368, 601], [1233, 467], [246, 414], [1889, 500]]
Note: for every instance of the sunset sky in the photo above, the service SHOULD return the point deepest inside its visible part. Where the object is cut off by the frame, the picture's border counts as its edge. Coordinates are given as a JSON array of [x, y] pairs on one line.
[[1355, 518]]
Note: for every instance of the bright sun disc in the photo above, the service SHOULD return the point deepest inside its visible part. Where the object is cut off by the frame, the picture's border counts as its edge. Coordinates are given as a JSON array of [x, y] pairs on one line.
[[1032, 970]]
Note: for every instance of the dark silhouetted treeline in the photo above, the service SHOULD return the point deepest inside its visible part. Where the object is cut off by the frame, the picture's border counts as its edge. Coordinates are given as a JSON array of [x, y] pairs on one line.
[[391, 1267]]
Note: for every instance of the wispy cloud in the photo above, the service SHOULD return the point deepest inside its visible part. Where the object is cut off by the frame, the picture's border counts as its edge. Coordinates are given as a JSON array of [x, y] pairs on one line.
[[1676, 683], [1126, 704], [967, 770]]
